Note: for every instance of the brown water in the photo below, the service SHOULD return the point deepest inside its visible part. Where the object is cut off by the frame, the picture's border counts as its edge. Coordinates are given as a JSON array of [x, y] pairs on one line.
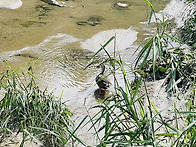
[[38, 29]]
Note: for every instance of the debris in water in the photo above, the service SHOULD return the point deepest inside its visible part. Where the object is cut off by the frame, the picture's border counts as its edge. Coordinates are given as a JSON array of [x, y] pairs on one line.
[[122, 5], [54, 2]]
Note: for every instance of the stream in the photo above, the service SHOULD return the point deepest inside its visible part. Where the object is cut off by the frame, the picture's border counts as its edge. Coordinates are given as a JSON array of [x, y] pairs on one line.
[[66, 38]]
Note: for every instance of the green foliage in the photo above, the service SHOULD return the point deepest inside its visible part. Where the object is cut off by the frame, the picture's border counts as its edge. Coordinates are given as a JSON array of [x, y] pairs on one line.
[[188, 30], [159, 59], [156, 47], [124, 119], [181, 70], [26, 109]]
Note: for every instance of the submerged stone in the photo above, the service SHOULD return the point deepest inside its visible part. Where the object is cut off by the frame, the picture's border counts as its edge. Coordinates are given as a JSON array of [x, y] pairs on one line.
[[55, 3], [121, 5], [92, 20]]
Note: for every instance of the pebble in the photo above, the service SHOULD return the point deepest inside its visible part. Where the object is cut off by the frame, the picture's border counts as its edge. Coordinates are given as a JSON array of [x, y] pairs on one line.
[[122, 4]]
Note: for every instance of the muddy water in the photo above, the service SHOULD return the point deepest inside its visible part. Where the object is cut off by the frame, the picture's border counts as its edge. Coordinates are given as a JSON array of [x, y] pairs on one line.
[[66, 39]]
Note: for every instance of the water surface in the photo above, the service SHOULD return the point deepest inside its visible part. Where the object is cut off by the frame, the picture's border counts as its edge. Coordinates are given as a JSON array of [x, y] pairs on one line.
[[66, 41]]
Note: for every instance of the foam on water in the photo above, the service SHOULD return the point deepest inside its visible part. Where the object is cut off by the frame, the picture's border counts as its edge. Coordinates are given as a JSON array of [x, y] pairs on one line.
[[124, 39], [174, 10], [10, 4]]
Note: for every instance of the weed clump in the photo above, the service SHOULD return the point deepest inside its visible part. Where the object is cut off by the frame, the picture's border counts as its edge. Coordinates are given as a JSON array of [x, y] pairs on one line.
[[188, 31], [35, 113], [124, 119]]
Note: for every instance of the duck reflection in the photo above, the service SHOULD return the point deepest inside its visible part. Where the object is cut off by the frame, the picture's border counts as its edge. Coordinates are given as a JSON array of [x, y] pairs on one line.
[[101, 94]]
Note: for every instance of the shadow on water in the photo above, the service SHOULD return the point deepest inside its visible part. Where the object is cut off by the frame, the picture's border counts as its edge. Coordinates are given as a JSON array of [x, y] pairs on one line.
[[101, 95]]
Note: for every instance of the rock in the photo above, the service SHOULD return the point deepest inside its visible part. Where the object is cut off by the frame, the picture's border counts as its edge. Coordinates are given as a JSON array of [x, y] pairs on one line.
[[121, 5], [55, 3], [92, 20]]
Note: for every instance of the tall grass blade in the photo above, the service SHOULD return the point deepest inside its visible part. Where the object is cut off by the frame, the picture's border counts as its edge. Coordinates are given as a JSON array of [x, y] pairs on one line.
[[150, 4], [113, 37], [193, 139], [143, 51]]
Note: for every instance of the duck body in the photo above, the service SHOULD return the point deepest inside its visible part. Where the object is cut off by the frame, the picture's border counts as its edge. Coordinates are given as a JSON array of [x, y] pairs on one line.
[[101, 81]]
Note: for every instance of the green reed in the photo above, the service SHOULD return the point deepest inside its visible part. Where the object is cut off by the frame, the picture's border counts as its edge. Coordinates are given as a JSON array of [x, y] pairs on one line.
[[35, 113], [160, 59], [124, 119]]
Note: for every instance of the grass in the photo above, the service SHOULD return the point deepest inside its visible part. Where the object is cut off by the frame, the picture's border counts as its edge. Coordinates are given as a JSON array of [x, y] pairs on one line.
[[188, 31], [124, 119], [34, 113], [159, 59]]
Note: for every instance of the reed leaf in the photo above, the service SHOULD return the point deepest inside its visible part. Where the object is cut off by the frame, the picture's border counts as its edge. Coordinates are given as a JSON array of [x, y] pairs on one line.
[[103, 47], [26, 109]]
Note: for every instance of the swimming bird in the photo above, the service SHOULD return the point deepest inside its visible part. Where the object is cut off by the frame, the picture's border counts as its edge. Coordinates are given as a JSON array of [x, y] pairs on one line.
[[102, 81]]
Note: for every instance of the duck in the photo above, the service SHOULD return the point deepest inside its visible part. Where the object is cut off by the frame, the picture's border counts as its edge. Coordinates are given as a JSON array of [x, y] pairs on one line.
[[102, 82]]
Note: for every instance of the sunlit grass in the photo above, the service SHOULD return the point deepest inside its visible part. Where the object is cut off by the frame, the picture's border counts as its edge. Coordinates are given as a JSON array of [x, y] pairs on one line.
[[124, 119], [36, 113]]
